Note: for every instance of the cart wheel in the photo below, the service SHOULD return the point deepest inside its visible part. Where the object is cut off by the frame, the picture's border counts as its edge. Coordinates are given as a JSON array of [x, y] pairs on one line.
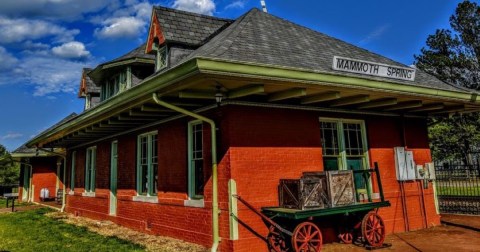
[[307, 237], [373, 229], [345, 235], [276, 240]]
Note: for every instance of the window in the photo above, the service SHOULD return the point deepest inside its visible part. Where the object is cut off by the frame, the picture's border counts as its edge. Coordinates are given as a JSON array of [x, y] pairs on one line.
[[114, 85], [72, 173], [344, 146], [147, 164], [195, 158], [161, 59], [90, 169]]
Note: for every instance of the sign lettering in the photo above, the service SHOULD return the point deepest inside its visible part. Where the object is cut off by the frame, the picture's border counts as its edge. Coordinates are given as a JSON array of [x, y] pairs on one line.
[[372, 68]]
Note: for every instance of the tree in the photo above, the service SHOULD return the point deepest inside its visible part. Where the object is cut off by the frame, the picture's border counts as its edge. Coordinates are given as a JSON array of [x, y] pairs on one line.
[[9, 171], [453, 56]]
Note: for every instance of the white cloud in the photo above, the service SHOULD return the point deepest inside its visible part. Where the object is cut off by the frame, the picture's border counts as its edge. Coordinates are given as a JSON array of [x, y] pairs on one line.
[[124, 27], [18, 30], [72, 49], [376, 33], [7, 60], [46, 73], [129, 21], [240, 4], [51, 9], [199, 6], [11, 135]]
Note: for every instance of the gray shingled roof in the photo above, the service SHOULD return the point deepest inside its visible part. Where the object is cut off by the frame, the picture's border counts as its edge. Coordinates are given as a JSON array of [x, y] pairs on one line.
[[138, 52], [262, 38], [25, 150], [188, 28]]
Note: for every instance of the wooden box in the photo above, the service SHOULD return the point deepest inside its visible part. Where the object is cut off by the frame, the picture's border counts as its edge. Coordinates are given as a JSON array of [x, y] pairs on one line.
[[305, 193], [341, 188]]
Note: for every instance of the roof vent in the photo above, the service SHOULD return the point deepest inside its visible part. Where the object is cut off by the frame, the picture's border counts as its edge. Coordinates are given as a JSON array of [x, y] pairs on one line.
[[264, 6]]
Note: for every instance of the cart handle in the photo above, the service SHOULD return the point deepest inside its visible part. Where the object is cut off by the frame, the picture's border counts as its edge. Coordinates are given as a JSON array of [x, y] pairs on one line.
[[377, 176], [263, 216]]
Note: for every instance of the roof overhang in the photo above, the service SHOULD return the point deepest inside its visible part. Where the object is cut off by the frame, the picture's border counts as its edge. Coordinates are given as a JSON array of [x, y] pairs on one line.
[[195, 83], [100, 71]]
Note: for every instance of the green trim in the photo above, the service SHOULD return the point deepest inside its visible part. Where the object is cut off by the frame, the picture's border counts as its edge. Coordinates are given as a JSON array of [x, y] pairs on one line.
[[303, 214], [129, 77], [137, 95], [233, 209], [90, 169], [113, 177], [150, 143], [72, 172], [191, 168], [290, 74]]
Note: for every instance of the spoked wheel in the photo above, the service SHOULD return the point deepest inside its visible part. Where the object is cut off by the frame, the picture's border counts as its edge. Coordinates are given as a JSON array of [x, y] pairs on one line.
[[345, 235], [307, 238], [276, 240], [373, 229]]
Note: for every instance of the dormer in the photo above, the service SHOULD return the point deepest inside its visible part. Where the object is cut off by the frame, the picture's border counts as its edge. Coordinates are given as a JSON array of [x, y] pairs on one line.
[[174, 34], [88, 90], [122, 73]]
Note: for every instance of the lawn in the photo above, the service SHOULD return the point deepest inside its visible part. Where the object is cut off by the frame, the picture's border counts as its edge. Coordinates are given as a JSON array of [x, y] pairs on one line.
[[460, 190], [33, 231]]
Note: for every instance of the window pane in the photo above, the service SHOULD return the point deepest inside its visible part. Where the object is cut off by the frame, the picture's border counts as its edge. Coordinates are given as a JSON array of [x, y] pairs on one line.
[[199, 183], [353, 139], [329, 138], [330, 163], [357, 164]]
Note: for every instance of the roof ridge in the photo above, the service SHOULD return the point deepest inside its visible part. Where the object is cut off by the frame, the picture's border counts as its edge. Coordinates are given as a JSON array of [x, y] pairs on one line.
[[191, 13], [241, 22]]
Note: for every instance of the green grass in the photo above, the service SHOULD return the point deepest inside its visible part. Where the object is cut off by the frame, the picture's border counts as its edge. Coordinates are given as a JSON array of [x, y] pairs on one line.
[[33, 231], [459, 191], [3, 203]]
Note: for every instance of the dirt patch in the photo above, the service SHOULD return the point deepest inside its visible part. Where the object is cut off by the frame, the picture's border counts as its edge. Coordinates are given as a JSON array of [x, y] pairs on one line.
[[110, 229]]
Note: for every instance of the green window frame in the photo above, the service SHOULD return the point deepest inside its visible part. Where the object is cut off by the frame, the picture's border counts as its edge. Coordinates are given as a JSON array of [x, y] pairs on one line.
[[161, 61], [72, 172], [147, 164], [90, 163], [114, 85], [344, 146], [196, 180]]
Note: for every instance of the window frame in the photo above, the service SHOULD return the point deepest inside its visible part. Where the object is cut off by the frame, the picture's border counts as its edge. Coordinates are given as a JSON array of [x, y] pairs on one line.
[[90, 169], [162, 53], [191, 169], [150, 190], [342, 154], [72, 171]]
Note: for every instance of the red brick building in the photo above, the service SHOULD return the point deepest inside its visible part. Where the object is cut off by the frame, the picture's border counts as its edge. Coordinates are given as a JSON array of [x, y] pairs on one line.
[[212, 107]]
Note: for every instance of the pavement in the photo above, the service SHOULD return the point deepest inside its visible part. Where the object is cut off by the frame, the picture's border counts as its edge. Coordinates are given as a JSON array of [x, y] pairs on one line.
[[458, 233], [462, 220]]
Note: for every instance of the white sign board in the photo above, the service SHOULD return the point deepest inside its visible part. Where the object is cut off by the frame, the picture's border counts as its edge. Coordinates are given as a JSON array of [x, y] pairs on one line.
[[372, 68]]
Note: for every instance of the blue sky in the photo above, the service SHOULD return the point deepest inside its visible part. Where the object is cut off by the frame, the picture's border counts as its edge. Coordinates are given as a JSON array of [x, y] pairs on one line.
[[44, 44]]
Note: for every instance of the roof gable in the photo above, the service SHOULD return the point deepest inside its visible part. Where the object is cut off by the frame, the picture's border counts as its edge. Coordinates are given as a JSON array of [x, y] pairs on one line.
[[87, 86], [176, 26]]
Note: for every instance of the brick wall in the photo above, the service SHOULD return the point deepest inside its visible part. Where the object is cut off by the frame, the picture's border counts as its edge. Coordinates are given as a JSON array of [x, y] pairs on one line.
[[257, 147], [269, 144], [44, 176]]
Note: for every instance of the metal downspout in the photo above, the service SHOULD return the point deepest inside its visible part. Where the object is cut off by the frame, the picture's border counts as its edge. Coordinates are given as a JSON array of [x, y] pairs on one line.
[[64, 171], [215, 210]]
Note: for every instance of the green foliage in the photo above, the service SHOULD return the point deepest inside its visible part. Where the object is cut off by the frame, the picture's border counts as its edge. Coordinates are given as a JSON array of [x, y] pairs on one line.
[[9, 171], [453, 55], [33, 231]]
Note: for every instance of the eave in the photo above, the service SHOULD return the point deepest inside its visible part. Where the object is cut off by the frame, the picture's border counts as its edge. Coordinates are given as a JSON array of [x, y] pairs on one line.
[[194, 83]]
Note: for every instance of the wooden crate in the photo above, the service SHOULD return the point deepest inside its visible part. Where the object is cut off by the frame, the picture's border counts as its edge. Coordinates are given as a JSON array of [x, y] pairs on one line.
[[341, 188], [304, 193]]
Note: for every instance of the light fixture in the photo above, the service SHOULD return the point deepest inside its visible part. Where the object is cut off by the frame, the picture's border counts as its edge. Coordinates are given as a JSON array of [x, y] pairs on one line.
[[218, 97]]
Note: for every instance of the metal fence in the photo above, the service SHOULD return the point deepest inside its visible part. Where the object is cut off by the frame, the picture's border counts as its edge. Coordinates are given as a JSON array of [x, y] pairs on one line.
[[458, 187]]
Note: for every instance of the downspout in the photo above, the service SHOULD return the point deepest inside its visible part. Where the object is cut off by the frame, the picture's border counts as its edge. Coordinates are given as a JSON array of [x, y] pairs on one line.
[[215, 210], [64, 171]]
